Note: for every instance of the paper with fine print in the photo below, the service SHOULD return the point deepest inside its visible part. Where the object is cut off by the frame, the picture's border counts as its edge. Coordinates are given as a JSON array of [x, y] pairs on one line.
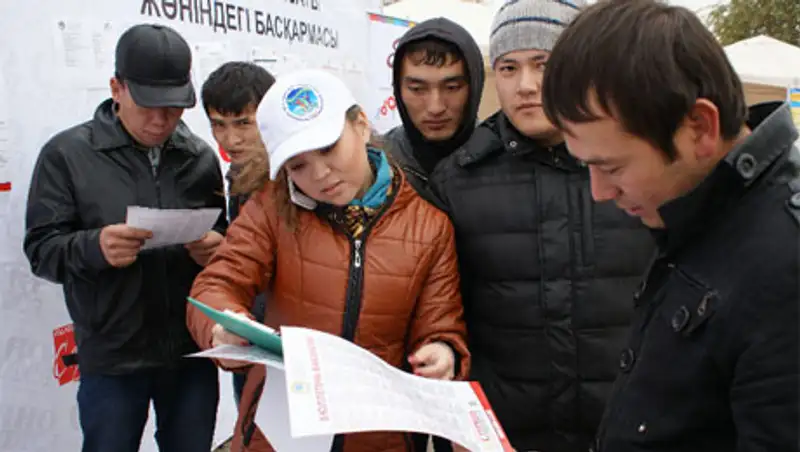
[[334, 386]]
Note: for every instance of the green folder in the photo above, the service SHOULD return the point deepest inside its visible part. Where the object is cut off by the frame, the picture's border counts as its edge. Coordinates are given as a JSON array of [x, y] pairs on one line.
[[258, 334]]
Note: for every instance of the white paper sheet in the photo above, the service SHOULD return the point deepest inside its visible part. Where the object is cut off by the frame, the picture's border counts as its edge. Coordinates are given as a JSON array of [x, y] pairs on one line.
[[85, 50], [272, 416], [172, 226], [338, 387], [247, 353], [333, 386]]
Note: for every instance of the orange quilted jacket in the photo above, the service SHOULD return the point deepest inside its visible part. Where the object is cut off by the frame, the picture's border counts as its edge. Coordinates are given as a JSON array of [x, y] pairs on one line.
[[392, 292]]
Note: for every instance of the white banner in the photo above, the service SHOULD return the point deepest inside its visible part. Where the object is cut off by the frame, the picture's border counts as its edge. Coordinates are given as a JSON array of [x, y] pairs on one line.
[[384, 33], [55, 66]]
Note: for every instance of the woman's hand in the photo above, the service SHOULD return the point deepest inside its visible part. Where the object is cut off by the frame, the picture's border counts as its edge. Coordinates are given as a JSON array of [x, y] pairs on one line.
[[435, 360], [221, 336]]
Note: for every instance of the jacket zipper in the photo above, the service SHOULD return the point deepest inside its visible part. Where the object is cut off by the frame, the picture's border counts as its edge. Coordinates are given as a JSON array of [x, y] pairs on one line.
[[156, 170], [408, 169], [355, 279]]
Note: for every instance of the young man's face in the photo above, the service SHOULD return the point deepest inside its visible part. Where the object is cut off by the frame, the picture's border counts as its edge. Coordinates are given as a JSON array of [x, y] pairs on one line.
[[435, 97], [237, 133], [518, 80], [635, 174]]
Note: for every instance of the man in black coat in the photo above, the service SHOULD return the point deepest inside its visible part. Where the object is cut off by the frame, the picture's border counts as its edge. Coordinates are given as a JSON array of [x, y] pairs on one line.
[[649, 101], [547, 274], [128, 304]]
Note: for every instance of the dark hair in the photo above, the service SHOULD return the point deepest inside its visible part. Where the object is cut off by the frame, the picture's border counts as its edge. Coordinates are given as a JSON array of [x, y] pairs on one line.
[[234, 86], [646, 64], [432, 52]]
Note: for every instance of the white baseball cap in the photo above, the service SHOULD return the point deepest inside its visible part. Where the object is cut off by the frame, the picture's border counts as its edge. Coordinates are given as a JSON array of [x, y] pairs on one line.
[[302, 111]]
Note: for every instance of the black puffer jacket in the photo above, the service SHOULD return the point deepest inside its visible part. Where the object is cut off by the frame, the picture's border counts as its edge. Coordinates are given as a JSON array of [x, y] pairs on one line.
[[548, 278]]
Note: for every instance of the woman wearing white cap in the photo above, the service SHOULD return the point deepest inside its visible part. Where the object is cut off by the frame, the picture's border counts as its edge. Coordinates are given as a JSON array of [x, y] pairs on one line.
[[343, 244]]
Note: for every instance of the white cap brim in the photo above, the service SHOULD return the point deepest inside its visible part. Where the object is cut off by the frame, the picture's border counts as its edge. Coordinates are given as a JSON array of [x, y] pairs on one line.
[[316, 136]]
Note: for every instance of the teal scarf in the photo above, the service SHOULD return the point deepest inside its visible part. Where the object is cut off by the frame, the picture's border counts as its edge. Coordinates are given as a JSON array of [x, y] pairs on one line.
[[376, 194]]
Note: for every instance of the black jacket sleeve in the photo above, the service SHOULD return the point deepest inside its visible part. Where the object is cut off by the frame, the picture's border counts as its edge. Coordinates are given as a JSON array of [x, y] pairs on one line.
[[54, 243]]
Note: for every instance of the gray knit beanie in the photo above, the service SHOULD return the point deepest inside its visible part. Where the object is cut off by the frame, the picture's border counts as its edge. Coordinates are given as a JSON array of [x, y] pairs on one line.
[[530, 24]]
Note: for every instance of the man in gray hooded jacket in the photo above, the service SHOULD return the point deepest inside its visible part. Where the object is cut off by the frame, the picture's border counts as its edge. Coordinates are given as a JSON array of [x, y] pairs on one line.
[[438, 75]]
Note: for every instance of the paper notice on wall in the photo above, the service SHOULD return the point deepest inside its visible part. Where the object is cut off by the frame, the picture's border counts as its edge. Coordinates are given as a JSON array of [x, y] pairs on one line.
[[85, 51], [208, 57]]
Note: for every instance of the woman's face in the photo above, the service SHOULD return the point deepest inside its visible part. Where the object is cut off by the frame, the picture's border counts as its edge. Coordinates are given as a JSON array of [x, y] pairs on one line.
[[338, 174]]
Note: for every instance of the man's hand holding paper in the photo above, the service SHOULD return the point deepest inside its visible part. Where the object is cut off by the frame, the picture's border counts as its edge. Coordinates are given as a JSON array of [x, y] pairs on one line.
[[121, 244], [202, 250], [175, 226]]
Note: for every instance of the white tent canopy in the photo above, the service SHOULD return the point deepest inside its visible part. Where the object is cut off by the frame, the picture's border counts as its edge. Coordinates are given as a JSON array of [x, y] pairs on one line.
[[766, 61], [476, 18]]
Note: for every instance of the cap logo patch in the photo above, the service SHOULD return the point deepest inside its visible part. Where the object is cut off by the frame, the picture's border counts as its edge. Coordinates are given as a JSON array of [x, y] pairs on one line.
[[302, 102]]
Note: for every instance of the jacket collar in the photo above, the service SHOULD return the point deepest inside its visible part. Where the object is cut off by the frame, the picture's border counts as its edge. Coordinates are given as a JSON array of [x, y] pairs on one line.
[[772, 137], [497, 134], [400, 148], [107, 133]]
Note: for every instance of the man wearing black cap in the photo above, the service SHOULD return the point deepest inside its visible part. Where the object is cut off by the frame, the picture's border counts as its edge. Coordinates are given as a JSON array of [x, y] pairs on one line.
[[128, 304]]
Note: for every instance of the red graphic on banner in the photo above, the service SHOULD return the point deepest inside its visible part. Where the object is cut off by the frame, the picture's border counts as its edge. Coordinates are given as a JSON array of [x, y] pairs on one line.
[[64, 341], [5, 186], [390, 58], [223, 154], [389, 105]]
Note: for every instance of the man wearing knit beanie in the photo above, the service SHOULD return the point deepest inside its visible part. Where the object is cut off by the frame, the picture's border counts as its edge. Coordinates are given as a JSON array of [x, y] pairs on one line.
[[548, 275]]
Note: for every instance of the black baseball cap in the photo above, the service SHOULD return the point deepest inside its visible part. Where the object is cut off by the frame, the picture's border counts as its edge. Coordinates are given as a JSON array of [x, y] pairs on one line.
[[155, 62]]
